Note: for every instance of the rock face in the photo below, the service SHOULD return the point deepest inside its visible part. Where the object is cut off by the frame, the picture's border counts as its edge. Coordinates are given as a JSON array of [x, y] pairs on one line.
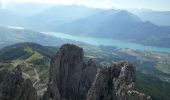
[[69, 77], [3, 74], [116, 83], [14, 87], [72, 79]]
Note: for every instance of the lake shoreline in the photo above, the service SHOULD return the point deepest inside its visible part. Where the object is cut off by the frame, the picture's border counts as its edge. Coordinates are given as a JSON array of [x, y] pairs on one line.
[[108, 42]]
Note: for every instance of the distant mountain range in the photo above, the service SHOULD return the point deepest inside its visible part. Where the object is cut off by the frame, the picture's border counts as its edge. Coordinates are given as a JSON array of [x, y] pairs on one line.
[[156, 17], [143, 28], [120, 25], [42, 17]]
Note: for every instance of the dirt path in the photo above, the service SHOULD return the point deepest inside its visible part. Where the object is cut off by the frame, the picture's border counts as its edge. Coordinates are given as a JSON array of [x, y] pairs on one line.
[[37, 76]]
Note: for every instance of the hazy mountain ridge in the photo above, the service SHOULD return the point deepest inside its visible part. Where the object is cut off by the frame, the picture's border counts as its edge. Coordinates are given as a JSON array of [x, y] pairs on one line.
[[11, 36], [120, 25], [112, 23], [156, 17], [44, 19]]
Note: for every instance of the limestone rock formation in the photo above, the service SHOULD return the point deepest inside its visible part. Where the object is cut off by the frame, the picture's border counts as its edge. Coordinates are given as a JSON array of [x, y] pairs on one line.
[[14, 87], [69, 77], [72, 79], [116, 83]]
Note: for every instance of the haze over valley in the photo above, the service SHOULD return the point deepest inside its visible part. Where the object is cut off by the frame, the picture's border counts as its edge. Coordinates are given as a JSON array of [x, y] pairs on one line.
[[66, 50]]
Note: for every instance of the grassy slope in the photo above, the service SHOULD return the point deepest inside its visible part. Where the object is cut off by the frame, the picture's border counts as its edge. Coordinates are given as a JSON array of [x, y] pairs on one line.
[[33, 59]]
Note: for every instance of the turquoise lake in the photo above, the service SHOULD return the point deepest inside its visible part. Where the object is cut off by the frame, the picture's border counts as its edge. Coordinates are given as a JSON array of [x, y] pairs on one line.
[[108, 42]]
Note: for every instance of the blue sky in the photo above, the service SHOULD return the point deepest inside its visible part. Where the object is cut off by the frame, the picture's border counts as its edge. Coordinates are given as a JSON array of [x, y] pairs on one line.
[[147, 4]]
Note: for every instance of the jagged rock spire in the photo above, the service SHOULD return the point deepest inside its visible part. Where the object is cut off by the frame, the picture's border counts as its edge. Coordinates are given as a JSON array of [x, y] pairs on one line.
[[14, 87], [116, 82], [69, 77]]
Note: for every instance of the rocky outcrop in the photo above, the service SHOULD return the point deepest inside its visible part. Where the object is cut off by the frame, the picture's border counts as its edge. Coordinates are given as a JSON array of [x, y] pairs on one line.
[[116, 83], [14, 87], [72, 79], [69, 77]]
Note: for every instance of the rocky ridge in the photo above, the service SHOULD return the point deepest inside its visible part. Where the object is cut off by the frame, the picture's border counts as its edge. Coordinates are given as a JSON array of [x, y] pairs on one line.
[[116, 82], [70, 78], [14, 87]]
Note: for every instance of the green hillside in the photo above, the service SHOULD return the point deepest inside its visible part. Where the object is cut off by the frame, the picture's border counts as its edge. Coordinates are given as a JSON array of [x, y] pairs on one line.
[[34, 60]]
